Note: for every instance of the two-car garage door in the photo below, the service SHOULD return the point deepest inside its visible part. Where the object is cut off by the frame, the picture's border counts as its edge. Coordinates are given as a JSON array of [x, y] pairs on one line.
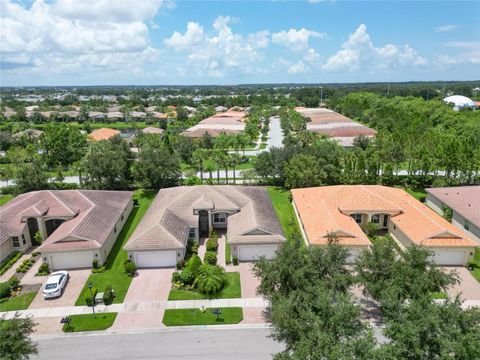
[[450, 256], [74, 260], [255, 252], [147, 259]]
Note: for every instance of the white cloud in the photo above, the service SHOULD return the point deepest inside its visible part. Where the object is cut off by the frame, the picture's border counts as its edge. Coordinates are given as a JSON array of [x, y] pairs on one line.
[[294, 39], [214, 53], [470, 54], [298, 68], [445, 28], [359, 53], [311, 56]]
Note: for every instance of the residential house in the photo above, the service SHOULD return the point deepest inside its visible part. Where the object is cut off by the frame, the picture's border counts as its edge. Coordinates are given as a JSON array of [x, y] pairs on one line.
[[185, 213], [344, 211], [103, 134], [230, 123]]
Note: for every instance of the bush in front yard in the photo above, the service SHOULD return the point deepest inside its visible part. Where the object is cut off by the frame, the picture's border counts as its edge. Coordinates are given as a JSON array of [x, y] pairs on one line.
[[235, 260], [212, 245], [108, 295], [43, 269], [187, 277], [210, 258], [88, 298], [180, 264], [176, 277], [4, 290], [193, 263], [130, 268], [13, 282], [95, 264], [210, 279]]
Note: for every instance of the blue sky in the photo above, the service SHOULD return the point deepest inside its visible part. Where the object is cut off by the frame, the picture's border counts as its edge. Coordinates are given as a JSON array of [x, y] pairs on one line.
[[101, 42]]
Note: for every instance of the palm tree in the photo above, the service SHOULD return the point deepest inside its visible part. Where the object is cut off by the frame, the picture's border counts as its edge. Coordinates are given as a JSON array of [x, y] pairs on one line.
[[198, 157], [217, 156], [234, 161]]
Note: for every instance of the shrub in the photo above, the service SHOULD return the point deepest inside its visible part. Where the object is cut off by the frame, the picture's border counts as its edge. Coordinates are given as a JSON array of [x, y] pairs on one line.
[[176, 277], [210, 279], [108, 295], [9, 261], [130, 268], [235, 260], [228, 254], [195, 248], [213, 235], [4, 290], [13, 282], [210, 258], [88, 297], [37, 238], [212, 245], [187, 277], [372, 228], [35, 253], [180, 264], [99, 270], [95, 263], [193, 263], [43, 269]]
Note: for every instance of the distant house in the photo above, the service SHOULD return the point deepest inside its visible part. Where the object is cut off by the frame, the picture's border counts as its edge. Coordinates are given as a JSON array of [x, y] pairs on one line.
[[114, 116], [344, 211], [464, 202], [229, 122], [71, 115], [152, 130], [77, 226], [334, 125], [221, 109], [30, 133], [95, 115], [187, 213], [137, 115], [103, 134]]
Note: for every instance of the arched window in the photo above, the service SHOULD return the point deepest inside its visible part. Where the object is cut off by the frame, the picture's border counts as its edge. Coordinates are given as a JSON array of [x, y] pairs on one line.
[[357, 218], [376, 218]]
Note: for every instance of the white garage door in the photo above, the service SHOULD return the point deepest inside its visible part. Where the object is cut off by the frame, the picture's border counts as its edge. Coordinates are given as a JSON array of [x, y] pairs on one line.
[[156, 259], [254, 252], [450, 257], [71, 260]]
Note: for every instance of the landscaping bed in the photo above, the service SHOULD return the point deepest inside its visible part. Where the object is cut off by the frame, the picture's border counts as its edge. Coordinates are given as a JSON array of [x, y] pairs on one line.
[[17, 302], [6, 264], [184, 317], [230, 291], [86, 322], [474, 265], [115, 274]]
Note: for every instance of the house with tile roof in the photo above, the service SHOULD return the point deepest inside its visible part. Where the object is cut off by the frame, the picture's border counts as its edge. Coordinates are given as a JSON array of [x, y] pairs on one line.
[[76, 226], [103, 134], [229, 123], [344, 211], [464, 203], [184, 213]]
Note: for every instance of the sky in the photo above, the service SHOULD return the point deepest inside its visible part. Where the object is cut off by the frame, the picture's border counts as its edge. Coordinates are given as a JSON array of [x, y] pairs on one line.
[[167, 42]]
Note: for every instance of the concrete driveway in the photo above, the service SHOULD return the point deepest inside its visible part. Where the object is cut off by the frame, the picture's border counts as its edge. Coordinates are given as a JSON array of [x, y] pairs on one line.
[[150, 285], [469, 287], [70, 295]]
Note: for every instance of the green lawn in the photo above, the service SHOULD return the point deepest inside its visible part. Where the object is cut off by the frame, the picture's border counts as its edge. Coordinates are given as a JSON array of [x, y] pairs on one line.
[[20, 302], [228, 253], [86, 322], [5, 198], [476, 265], [231, 291], [181, 317], [439, 295], [284, 209], [418, 193], [115, 274]]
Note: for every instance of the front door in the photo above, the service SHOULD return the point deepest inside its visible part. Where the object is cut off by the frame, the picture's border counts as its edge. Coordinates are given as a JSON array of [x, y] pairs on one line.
[[203, 223], [32, 229], [385, 221]]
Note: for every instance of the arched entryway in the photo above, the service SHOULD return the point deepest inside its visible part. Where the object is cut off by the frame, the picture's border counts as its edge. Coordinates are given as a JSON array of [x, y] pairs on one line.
[[203, 223], [52, 224], [32, 229]]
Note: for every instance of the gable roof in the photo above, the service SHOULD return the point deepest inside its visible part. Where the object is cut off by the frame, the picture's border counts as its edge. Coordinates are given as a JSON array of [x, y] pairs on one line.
[[167, 222], [327, 209], [103, 134], [90, 216], [464, 200]]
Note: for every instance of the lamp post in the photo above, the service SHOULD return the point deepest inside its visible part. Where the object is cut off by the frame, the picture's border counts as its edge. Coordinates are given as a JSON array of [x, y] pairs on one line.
[[93, 300]]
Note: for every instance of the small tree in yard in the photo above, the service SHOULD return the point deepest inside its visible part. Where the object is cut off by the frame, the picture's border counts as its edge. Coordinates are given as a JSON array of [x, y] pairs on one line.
[[15, 341], [210, 279], [38, 238], [372, 228], [130, 268]]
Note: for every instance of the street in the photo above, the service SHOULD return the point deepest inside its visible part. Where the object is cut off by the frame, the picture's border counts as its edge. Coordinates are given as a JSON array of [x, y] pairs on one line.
[[179, 343]]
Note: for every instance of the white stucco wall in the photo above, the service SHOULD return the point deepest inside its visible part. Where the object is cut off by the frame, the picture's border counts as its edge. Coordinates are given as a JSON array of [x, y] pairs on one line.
[[473, 232], [434, 203]]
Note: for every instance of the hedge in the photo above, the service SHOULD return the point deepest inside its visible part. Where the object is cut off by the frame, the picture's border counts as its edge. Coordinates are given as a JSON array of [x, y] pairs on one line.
[[9, 261]]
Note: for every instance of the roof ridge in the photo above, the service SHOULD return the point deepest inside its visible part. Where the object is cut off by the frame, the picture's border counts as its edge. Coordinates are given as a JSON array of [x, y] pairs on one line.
[[367, 189], [61, 202]]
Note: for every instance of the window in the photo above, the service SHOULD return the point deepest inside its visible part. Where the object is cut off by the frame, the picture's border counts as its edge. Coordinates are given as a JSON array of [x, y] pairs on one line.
[[24, 241], [191, 233], [376, 218], [15, 241], [466, 225], [115, 229], [219, 217], [357, 218]]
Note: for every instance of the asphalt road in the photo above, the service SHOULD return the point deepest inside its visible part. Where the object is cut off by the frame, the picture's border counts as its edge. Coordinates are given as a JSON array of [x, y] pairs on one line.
[[211, 344]]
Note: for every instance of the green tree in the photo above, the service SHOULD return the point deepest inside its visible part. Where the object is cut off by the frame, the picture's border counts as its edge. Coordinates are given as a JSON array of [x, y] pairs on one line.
[[15, 334], [303, 171], [210, 279], [156, 167], [63, 144], [31, 177]]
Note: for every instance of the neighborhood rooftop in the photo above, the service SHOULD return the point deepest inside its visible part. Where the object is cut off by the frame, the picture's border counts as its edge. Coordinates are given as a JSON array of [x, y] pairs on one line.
[[229, 122], [89, 216], [103, 134]]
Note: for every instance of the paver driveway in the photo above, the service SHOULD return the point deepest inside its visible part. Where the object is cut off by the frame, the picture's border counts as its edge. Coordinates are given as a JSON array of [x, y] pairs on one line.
[[70, 295], [248, 281], [469, 287], [150, 285]]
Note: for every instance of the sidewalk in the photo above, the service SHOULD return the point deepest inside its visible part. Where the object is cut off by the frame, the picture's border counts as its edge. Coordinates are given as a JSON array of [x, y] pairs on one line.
[[139, 307]]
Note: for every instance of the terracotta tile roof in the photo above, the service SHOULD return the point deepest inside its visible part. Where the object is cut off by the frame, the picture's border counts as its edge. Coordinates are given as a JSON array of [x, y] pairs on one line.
[[325, 210], [167, 222], [464, 200], [90, 216], [103, 134]]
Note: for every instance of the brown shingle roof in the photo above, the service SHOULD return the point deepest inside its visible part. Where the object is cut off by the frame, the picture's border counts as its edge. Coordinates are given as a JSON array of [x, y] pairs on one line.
[[90, 214], [168, 220], [324, 210], [464, 200]]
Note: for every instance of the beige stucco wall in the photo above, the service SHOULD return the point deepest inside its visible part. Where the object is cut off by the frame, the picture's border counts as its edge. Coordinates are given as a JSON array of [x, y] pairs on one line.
[[434, 203], [459, 221]]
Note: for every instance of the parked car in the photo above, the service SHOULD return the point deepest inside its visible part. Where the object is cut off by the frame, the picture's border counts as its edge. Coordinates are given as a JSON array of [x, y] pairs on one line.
[[55, 284]]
